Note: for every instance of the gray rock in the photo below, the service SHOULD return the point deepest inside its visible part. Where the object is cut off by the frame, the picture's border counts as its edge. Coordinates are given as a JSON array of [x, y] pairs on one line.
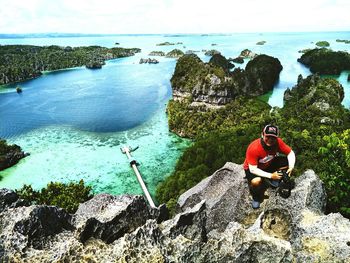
[[109, 217], [226, 194], [190, 224], [7, 198]]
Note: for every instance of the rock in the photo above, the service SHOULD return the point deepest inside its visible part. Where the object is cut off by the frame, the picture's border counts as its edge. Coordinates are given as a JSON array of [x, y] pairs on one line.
[[109, 217], [190, 224], [215, 224], [95, 64], [9, 199], [30, 226], [226, 194], [348, 77], [239, 60], [246, 53], [11, 155]]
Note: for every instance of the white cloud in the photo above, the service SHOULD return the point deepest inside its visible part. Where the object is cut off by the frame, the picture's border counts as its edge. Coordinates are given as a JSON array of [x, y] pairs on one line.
[[171, 16]]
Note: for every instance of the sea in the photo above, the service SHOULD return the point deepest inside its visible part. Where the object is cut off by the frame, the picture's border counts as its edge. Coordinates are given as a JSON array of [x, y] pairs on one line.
[[74, 122]]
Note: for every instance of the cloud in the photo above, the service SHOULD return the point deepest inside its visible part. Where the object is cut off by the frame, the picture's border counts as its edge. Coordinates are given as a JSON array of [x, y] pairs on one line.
[[169, 16]]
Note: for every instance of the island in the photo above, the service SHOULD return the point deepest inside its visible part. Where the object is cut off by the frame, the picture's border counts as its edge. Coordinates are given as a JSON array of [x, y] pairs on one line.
[[24, 62]]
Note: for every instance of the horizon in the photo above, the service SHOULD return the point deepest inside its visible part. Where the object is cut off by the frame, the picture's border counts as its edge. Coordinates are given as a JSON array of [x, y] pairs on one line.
[[171, 17]]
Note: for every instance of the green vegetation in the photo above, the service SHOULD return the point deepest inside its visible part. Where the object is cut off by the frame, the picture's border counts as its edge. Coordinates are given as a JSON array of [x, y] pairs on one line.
[[322, 44], [313, 122], [22, 62], [325, 61], [67, 196]]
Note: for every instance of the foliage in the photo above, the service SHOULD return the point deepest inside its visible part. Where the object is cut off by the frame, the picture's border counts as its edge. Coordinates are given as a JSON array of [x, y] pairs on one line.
[[67, 196], [334, 170], [239, 112]]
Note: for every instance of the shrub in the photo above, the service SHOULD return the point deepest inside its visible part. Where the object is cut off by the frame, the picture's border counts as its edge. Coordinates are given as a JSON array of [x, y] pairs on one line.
[[67, 196]]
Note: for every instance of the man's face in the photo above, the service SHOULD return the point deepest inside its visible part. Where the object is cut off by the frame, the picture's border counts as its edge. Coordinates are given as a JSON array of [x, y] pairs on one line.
[[270, 140]]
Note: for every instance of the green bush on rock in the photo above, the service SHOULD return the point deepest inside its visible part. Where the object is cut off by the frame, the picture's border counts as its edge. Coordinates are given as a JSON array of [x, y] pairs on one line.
[[67, 196]]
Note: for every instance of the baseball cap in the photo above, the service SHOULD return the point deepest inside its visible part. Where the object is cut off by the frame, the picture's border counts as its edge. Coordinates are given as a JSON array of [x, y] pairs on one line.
[[271, 130]]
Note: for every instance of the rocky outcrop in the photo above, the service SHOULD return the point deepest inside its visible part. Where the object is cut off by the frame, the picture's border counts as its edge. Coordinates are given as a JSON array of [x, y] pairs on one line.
[[95, 64], [10, 155], [213, 83], [325, 61], [215, 223]]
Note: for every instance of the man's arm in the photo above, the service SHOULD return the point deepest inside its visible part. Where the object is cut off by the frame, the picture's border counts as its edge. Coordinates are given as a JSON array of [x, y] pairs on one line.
[[291, 161], [257, 171]]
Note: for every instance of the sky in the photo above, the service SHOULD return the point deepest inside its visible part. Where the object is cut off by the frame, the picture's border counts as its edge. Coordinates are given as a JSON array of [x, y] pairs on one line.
[[172, 16]]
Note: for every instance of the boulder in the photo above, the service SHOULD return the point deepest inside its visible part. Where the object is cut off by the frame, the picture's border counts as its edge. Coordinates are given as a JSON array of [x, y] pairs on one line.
[[226, 195], [8, 198], [109, 217]]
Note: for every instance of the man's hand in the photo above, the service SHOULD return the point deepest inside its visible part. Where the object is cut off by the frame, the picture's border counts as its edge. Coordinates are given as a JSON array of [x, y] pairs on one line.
[[289, 171], [276, 176]]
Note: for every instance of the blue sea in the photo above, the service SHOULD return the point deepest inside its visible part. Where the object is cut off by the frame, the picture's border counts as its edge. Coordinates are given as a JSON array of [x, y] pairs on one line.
[[73, 122]]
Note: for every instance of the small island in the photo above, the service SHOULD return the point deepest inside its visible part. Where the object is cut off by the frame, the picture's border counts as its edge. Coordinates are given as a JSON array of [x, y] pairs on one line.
[[169, 43], [175, 53], [148, 61], [261, 42], [157, 53], [322, 44]]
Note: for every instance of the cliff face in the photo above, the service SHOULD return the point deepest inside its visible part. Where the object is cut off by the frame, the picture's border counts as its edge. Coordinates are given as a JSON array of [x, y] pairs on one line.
[[212, 82], [215, 223]]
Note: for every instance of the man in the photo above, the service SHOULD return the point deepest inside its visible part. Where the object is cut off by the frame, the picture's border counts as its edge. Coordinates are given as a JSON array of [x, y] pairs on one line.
[[263, 160]]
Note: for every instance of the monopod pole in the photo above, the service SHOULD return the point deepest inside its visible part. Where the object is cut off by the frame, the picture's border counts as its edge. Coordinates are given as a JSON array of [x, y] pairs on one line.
[[133, 164]]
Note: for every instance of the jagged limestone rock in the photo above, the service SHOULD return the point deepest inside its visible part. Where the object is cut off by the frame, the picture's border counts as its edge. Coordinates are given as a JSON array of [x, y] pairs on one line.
[[109, 217], [282, 230], [226, 195]]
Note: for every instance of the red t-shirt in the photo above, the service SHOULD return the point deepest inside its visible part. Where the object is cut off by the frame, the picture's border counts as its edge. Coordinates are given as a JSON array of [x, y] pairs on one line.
[[257, 155]]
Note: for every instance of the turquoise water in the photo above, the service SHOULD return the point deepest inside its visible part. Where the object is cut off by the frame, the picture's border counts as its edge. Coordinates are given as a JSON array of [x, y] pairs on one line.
[[73, 122]]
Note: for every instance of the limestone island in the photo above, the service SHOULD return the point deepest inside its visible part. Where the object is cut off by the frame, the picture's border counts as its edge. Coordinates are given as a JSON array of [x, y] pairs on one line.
[[24, 62], [157, 53], [148, 61]]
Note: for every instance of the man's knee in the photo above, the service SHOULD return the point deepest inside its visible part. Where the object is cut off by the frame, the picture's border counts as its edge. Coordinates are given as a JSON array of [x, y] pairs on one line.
[[255, 182]]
